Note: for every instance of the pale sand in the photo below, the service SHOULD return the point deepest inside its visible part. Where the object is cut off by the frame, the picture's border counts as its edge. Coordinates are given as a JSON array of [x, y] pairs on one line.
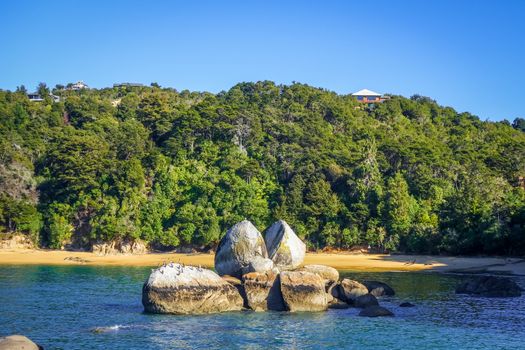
[[341, 261]]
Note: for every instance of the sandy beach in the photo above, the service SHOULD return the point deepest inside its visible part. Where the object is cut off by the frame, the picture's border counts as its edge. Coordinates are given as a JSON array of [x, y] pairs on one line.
[[341, 261]]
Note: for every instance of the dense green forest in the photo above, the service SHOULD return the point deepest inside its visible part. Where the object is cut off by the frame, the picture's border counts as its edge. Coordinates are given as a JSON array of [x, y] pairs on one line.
[[178, 168]]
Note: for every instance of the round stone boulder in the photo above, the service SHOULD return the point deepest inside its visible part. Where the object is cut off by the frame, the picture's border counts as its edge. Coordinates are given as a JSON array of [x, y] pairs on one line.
[[17, 342], [327, 273], [284, 247], [242, 244], [303, 291], [349, 290], [179, 289]]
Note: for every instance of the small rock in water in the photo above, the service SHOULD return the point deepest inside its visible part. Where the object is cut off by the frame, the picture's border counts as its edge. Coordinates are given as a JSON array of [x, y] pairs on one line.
[[378, 289], [375, 311], [348, 290], [406, 304], [106, 329], [490, 286], [365, 301]]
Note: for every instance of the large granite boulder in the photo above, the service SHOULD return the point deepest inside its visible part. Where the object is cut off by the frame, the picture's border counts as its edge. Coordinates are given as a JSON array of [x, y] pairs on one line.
[[375, 311], [303, 291], [262, 291], [242, 244], [490, 286], [259, 264], [284, 247], [179, 289], [327, 273], [349, 290], [18, 342], [378, 289], [365, 301]]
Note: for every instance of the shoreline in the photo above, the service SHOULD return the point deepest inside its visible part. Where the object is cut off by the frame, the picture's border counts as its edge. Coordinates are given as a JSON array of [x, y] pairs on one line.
[[340, 261]]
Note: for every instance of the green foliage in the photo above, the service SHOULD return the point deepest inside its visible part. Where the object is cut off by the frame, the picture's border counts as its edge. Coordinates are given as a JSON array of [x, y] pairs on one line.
[[180, 168]]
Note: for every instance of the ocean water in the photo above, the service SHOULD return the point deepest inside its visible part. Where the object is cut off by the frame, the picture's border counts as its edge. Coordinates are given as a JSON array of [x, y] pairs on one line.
[[80, 307]]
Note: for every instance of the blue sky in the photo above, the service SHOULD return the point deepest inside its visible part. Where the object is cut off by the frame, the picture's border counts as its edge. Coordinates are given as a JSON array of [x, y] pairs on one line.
[[466, 54]]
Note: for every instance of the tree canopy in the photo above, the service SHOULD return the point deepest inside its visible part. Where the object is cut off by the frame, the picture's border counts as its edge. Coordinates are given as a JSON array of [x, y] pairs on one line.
[[178, 168]]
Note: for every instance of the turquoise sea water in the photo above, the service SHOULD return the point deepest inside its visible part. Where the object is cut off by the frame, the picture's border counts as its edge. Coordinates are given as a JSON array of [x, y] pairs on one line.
[[60, 307]]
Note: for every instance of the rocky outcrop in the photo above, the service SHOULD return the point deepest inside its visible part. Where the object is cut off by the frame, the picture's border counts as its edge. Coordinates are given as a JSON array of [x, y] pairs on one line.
[[116, 247], [303, 291], [365, 301], [178, 289], [15, 241], [263, 291], [349, 290], [378, 289], [242, 244], [284, 247], [375, 311], [489, 286], [18, 342], [327, 273]]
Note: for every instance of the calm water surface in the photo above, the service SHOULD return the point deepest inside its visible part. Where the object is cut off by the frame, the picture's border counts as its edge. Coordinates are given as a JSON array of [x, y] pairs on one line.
[[59, 307]]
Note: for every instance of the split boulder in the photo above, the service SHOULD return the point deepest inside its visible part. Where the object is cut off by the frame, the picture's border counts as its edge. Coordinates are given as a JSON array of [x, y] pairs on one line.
[[284, 247], [241, 245], [263, 291]]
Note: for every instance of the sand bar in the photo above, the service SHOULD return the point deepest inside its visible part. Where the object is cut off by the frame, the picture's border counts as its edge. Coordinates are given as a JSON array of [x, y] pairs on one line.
[[341, 261]]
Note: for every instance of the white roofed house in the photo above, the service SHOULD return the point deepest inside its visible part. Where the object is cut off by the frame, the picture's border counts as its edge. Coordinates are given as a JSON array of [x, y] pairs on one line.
[[368, 96], [79, 85]]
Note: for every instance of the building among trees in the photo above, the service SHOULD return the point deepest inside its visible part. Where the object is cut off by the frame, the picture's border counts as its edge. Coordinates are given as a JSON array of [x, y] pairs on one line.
[[79, 85], [368, 96]]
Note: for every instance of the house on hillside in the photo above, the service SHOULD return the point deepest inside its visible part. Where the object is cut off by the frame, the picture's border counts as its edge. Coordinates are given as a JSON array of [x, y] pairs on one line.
[[368, 96], [35, 97], [79, 85]]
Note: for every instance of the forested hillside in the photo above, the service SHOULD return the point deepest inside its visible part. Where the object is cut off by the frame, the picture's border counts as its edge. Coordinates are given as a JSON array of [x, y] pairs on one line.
[[178, 168]]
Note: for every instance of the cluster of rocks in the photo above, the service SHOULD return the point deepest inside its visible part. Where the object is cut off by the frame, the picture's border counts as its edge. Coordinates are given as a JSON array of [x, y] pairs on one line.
[[259, 274], [120, 246], [15, 241]]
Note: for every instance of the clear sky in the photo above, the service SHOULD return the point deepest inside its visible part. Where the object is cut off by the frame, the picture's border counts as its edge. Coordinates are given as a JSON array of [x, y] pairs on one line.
[[466, 54]]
